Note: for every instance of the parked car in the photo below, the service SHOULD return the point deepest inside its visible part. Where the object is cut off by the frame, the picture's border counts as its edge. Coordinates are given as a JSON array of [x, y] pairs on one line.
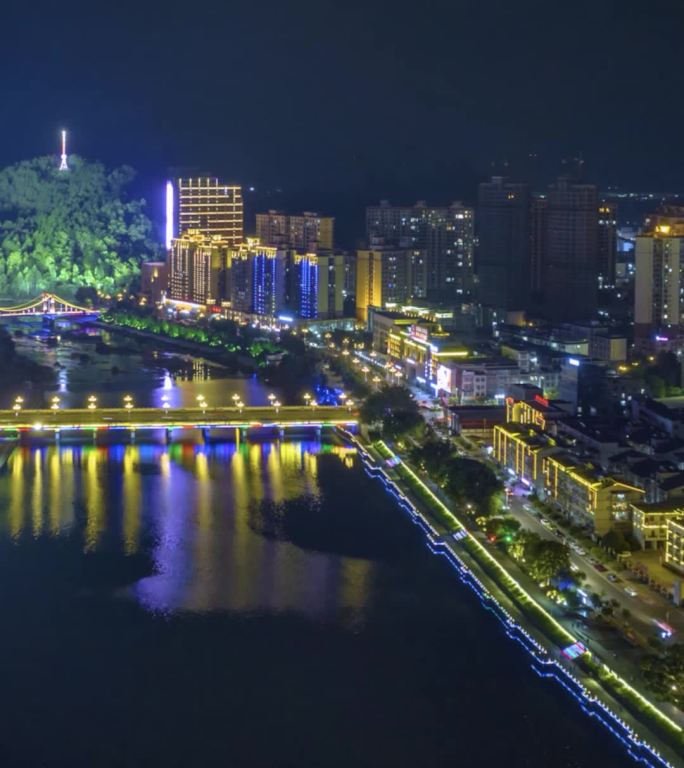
[[631, 591]]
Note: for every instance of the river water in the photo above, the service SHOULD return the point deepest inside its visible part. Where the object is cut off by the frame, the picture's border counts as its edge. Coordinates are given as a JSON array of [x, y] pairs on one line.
[[264, 604]]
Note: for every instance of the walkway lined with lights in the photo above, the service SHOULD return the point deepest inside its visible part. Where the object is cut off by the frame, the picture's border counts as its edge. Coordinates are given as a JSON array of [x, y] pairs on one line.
[[200, 416]]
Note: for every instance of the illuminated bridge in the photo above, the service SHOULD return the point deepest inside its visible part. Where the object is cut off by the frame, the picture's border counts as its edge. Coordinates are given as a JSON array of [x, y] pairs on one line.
[[46, 305], [170, 424]]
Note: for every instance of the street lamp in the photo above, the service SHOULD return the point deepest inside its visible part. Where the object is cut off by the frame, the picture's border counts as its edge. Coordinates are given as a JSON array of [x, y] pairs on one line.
[[92, 402], [365, 370], [240, 405], [350, 404], [271, 398], [276, 405], [235, 399], [376, 380], [307, 398], [313, 405], [55, 403], [165, 403], [202, 403]]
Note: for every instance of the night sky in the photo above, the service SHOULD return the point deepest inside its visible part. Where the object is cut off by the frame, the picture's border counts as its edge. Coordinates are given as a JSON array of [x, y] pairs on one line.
[[330, 106]]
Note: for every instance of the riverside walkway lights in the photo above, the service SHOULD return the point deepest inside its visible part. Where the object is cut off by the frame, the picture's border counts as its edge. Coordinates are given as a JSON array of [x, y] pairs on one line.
[[92, 403]]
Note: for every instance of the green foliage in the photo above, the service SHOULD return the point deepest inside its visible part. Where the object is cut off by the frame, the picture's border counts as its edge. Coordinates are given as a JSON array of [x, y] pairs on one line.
[[502, 529], [543, 559], [467, 481], [221, 333], [664, 674], [64, 230], [395, 409]]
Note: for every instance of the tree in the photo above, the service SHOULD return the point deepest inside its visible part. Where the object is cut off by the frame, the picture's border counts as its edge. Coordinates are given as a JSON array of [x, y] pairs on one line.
[[544, 559], [60, 231], [502, 529], [394, 408]]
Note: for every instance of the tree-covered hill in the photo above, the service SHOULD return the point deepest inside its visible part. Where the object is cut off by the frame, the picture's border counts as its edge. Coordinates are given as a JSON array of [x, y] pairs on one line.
[[61, 230]]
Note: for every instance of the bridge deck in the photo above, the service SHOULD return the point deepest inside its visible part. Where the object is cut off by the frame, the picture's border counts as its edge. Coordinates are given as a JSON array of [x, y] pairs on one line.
[[150, 418]]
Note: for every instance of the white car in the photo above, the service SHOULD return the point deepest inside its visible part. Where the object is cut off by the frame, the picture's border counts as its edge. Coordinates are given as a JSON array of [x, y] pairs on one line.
[[631, 591]]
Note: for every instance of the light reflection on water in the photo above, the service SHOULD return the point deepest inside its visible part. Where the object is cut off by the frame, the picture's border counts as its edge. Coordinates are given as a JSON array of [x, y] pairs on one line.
[[187, 506]]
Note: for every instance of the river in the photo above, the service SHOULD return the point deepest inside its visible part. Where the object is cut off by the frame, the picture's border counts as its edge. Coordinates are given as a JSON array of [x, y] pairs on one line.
[[264, 604]]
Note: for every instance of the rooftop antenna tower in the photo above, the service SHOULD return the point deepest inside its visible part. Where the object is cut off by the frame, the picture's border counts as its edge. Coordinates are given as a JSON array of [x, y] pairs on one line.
[[63, 165]]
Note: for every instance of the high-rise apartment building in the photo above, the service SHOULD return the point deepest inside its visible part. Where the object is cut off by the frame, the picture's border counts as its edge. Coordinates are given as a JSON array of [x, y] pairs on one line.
[[196, 266], [607, 243], [307, 232], [256, 282], [206, 205], [539, 207], [570, 272], [659, 278], [445, 234], [388, 275], [316, 290], [504, 244]]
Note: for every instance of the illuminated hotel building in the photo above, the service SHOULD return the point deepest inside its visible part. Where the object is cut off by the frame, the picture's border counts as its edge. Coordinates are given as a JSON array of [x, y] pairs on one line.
[[307, 232], [659, 282], [196, 265], [206, 205], [387, 275], [256, 279]]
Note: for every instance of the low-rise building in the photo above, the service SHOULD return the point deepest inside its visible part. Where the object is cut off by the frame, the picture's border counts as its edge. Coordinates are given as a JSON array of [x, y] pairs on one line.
[[476, 421], [650, 521], [521, 450], [587, 498], [674, 545], [478, 380]]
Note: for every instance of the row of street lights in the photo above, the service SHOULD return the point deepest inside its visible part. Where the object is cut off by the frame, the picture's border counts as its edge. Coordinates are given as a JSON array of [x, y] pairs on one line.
[[201, 402]]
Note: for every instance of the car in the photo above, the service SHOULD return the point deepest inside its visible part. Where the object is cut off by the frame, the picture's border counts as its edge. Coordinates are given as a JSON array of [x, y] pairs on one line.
[[600, 568], [612, 577], [546, 524], [580, 551], [631, 591]]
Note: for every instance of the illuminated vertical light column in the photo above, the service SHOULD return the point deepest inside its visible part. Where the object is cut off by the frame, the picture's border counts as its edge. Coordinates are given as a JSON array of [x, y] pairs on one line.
[[63, 165], [170, 224]]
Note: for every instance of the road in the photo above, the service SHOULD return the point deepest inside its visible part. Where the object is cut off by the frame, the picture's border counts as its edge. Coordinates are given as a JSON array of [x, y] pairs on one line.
[[645, 608]]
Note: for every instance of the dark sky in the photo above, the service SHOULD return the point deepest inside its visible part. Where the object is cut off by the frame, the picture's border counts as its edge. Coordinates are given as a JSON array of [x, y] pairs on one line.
[[337, 104]]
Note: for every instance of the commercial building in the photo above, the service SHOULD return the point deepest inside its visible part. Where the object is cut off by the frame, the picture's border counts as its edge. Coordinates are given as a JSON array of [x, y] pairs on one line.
[[584, 385], [387, 275], [659, 287], [504, 244], [521, 449], [476, 421], [570, 267], [196, 266], [445, 234], [308, 232], [478, 380], [418, 350], [205, 205]]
